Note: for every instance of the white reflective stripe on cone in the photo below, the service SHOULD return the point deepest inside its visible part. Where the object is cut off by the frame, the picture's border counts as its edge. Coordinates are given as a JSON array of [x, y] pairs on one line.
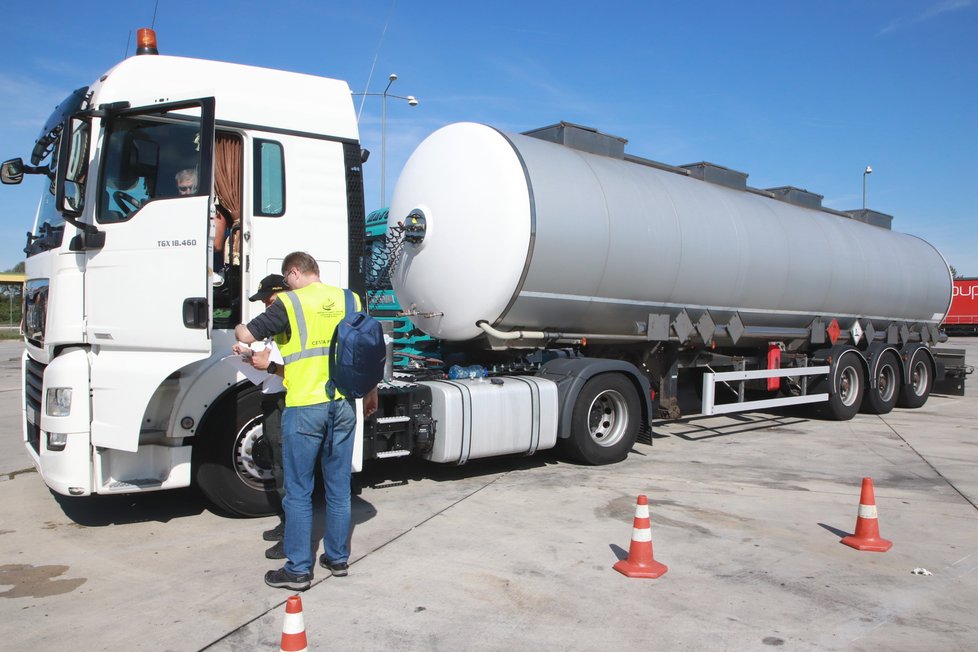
[[867, 511], [643, 535], [293, 624], [641, 511]]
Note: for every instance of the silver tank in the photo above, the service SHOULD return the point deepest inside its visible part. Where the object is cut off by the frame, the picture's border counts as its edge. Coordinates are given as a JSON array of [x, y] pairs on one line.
[[528, 234]]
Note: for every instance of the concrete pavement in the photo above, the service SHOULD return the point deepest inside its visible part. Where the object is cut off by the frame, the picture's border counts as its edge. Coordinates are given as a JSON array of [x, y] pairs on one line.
[[13, 457], [516, 553]]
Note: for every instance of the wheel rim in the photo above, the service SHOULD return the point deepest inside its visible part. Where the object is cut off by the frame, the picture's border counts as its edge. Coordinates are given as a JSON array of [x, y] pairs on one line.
[[886, 382], [920, 377], [848, 385], [248, 462], [608, 418]]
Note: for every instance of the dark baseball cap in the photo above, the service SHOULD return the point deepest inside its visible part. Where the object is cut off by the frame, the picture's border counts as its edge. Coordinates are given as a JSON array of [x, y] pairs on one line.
[[268, 286]]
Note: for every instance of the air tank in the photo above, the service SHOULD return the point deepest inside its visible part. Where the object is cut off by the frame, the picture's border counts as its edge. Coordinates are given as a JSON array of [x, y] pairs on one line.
[[528, 234]]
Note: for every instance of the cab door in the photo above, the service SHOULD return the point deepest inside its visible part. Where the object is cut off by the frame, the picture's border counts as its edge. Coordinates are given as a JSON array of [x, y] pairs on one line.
[[148, 290], [305, 190]]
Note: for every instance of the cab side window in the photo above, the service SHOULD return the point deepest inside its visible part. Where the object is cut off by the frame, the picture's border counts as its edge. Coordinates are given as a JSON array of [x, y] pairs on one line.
[[269, 178]]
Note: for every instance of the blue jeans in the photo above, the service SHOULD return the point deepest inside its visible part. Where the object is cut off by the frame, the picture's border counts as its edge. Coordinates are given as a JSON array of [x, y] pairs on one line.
[[309, 434]]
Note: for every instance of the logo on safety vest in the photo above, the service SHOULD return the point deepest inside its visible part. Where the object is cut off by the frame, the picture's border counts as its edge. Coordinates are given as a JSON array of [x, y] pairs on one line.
[[329, 309]]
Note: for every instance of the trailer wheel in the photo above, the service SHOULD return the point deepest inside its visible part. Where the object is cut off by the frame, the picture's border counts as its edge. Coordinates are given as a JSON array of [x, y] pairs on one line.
[[849, 386], [232, 460], [916, 391], [605, 421], [882, 398]]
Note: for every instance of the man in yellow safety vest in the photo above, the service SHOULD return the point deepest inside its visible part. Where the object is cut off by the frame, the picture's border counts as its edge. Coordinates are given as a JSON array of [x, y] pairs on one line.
[[316, 424]]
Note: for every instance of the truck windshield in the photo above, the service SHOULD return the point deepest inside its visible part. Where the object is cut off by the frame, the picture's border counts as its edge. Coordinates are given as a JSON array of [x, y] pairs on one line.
[[50, 225], [147, 157]]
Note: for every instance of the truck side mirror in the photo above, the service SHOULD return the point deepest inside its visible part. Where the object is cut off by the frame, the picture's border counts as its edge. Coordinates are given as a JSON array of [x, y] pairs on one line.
[[73, 198], [12, 171], [73, 167]]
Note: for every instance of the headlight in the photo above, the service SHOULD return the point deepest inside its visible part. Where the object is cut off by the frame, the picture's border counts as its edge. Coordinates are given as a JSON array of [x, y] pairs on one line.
[[58, 402]]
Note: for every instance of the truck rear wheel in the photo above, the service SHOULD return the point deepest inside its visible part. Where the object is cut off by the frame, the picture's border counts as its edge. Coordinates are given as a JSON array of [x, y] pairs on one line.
[[882, 398], [916, 391], [850, 383], [605, 421], [232, 460]]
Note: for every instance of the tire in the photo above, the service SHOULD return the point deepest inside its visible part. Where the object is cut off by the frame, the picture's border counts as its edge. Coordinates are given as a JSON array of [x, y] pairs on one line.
[[920, 380], [850, 384], [605, 421], [232, 460], [882, 398]]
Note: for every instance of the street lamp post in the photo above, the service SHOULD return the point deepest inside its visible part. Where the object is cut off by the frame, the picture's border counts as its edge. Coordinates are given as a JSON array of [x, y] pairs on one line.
[[867, 171], [412, 101], [383, 143]]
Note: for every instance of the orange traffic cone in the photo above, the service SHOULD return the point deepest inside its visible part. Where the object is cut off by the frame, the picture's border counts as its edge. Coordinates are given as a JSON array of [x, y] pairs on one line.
[[293, 629], [640, 562], [867, 536]]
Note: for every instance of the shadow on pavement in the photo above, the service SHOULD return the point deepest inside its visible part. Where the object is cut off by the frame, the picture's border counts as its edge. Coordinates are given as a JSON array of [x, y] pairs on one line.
[[161, 506], [836, 531], [379, 474], [693, 431], [620, 552]]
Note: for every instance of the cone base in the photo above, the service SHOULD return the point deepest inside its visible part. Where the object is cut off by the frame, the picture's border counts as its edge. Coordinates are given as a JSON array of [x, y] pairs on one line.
[[650, 570], [867, 545]]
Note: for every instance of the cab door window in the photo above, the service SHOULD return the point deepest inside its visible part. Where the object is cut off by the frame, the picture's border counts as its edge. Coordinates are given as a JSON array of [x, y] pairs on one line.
[[147, 157]]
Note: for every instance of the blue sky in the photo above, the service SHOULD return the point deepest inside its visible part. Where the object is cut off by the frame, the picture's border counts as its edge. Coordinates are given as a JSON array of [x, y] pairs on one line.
[[803, 94]]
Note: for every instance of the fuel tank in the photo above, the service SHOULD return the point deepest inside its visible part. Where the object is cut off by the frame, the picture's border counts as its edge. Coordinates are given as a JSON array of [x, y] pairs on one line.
[[528, 234]]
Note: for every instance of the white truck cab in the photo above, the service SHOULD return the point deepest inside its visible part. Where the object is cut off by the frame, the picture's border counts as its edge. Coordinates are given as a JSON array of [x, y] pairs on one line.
[[132, 295]]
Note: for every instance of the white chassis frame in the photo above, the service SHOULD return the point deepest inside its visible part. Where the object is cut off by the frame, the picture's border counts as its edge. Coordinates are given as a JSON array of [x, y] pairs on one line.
[[710, 380]]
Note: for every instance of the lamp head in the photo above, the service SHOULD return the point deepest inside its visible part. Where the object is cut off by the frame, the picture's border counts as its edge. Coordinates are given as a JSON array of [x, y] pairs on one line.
[[393, 77], [412, 100], [869, 170]]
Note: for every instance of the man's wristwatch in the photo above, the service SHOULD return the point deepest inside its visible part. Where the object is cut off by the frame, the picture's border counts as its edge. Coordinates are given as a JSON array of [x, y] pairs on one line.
[[272, 367]]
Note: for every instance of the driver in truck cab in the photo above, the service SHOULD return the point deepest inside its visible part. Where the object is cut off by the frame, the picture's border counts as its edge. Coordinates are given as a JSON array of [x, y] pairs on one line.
[[187, 185], [187, 181]]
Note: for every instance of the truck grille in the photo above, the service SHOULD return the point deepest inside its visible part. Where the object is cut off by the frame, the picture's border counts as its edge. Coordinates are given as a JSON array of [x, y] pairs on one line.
[[33, 382]]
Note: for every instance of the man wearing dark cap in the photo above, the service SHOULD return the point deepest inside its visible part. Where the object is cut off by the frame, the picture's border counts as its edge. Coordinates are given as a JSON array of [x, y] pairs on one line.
[[272, 403]]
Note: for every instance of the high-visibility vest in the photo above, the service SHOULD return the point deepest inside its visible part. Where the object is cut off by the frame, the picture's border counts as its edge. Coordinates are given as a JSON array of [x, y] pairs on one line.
[[314, 311]]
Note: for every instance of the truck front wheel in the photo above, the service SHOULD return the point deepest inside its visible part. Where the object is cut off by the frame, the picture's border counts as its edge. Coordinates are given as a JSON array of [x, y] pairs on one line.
[[232, 461], [605, 421]]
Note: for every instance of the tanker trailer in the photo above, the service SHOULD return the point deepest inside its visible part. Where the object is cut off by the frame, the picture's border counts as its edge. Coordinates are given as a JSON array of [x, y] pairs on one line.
[[553, 254]]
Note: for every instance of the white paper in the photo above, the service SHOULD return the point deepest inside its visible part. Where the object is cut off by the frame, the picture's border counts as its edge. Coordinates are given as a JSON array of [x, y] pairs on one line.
[[240, 364]]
